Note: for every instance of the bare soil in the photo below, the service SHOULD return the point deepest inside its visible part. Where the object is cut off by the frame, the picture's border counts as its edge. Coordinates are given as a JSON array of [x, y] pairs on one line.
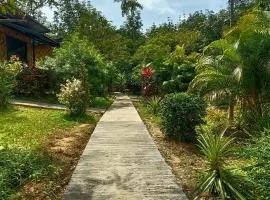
[[66, 148]]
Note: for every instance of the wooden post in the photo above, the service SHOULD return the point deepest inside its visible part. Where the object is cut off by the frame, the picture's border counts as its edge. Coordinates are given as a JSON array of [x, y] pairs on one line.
[[34, 52]]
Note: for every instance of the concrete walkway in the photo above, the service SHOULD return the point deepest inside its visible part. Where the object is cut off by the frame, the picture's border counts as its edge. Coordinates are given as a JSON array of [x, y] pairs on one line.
[[50, 106], [122, 162]]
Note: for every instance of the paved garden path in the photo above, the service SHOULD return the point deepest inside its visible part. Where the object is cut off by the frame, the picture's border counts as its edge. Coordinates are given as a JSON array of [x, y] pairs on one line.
[[49, 106], [122, 162]]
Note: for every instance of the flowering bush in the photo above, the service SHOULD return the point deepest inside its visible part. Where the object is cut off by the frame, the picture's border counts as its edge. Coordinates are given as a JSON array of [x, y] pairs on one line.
[[8, 73], [147, 74], [74, 97]]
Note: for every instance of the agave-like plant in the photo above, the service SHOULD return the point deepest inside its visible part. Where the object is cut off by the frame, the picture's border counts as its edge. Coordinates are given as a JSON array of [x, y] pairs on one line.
[[220, 182], [153, 104]]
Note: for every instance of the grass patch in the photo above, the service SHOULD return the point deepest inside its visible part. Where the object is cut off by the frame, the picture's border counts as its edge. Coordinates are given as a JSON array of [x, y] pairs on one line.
[[27, 128], [101, 102], [23, 157], [17, 166], [146, 113]]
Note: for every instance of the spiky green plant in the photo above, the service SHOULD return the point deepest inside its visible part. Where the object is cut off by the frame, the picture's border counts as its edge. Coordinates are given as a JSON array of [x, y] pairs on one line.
[[153, 104], [220, 182]]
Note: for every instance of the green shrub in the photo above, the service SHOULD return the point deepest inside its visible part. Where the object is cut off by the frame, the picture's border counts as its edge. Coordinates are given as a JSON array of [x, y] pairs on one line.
[[255, 122], [37, 82], [101, 102], [6, 85], [77, 52], [215, 120], [219, 181], [74, 97], [259, 151], [8, 72], [180, 113]]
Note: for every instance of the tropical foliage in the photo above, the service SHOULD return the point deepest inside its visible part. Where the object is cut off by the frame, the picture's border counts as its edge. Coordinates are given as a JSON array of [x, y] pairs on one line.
[[219, 181], [153, 104], [258, 151], [78, 58], [8, 79], [236, 68]]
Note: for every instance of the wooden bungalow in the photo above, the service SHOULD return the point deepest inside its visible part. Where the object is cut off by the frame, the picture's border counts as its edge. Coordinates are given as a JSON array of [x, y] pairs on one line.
[[24, 37]]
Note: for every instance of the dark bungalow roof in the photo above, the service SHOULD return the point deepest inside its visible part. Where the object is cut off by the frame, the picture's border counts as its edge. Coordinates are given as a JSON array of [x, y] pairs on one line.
[[28, 26]]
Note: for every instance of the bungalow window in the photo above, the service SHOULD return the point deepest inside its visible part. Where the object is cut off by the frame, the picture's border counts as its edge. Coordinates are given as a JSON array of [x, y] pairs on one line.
[[16, 47]]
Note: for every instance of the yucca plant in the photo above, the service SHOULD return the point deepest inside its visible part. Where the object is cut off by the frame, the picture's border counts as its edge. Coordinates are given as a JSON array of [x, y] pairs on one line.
[[153, 104], [220, 182]]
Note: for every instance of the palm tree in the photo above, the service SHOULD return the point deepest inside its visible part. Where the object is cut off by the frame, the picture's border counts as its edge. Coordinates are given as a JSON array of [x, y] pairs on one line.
[[218, 74], [238, 67], [129, 7], [252, 39]]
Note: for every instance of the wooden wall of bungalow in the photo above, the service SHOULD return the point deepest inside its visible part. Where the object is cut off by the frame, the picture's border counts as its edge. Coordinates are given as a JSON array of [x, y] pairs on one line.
[[40, 50]]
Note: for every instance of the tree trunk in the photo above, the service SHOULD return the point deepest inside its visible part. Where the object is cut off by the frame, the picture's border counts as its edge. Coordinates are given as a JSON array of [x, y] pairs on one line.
[[232, 12], [256, 101], [231, 112]]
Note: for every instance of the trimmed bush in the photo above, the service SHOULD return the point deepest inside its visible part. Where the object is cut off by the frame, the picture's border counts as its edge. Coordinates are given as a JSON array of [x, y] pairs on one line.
[[74, 97], [180, 113]]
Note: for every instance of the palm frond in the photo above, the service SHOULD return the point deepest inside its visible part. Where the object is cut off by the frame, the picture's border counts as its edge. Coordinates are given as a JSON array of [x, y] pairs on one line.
[[210, 81]]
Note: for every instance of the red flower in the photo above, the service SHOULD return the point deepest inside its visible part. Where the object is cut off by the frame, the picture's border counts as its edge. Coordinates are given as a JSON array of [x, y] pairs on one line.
[[147, 72]]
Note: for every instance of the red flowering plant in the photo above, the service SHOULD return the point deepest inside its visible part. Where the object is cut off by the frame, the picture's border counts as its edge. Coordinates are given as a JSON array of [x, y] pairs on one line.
[[147, 74]]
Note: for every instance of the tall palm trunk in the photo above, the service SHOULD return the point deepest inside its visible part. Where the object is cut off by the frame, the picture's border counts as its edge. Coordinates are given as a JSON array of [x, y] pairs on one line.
[[232, 12], [231, 111]]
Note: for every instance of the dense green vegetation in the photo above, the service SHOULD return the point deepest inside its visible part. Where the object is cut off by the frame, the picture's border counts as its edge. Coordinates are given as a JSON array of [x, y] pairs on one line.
[[258, 151], [219, 60]]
